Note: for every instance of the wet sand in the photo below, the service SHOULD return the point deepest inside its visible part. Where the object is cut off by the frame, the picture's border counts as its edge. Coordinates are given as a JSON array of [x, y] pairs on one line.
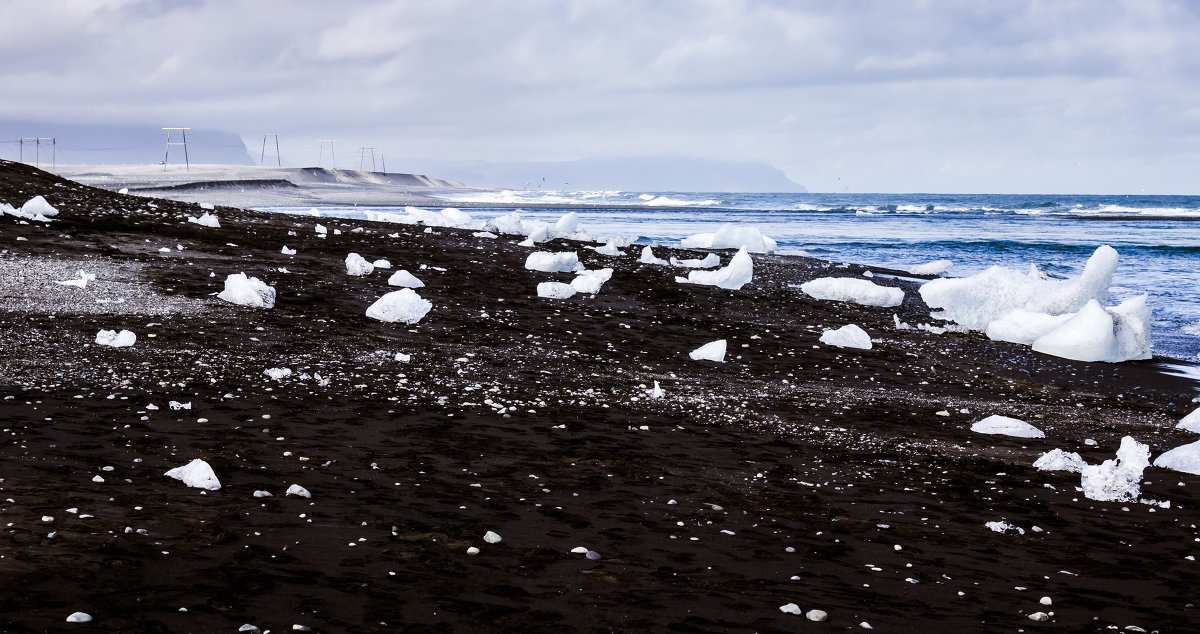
[[794, 472]]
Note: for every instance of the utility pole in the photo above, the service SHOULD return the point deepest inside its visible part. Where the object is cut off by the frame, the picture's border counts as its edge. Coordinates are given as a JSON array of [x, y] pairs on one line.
[[362, 157], [37, 149], [166, 155], [321, 156], [278, 162]]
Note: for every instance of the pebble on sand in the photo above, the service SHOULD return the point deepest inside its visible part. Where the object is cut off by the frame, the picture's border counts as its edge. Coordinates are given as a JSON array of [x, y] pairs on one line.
[[790, 608], [816, 616], [491, 538], [79, 617], [1039, 616], [299, 491]]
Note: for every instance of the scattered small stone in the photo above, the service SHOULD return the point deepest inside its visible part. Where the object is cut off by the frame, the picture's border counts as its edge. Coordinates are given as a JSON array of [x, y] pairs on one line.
[[79, 617], [816, 616]]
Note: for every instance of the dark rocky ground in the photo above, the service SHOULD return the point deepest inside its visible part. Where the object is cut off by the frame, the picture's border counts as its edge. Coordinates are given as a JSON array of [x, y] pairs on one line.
[[792, 473]]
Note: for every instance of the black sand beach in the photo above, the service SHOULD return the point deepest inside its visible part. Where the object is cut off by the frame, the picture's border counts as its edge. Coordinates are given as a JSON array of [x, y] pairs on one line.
[[794, 472]]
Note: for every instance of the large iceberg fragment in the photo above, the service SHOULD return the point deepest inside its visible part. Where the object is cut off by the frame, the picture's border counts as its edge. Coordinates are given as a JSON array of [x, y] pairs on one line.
[[849, 289], [1117, 480], [1096, 334], [731, 236], [738, 273], [403, 305], [1007, 426], [247, 291]]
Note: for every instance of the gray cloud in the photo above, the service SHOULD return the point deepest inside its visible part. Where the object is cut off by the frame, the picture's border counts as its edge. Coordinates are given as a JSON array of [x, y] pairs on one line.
[[881, 95]]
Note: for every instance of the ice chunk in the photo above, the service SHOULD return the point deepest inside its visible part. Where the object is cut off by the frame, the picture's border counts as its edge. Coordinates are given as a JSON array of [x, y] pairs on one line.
[[196, 473], [484, 234], [381, 264], [298, 491], [82, 282], [568, 224], [278, 373], [980, 299], [848, 336], [738, 273], [402, 305], [405, 279], [1191, 422], [456, 217], [609, 249], [711, 351], [937, 267], [552, 262], [591, 281], [648, 258], [115, 339], [1095, 334], [79, 617], [491, 537], [707, 262], [850, 289], [790, 608], [247, 291], [1059, 460], [357, 265], [1023, 327], [1007, 426], [555, 290], [731, 236], [1185, 458], [206, 220], [1117, 480], [37, 206], [657, 392], [287, 251], [1001, 527], [320, 228]]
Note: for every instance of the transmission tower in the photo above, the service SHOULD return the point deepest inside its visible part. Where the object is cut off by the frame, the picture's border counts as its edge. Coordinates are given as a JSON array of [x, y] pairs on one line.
[[321, 156], [166, 155], [37, 149], [362, 157], [278, 162]]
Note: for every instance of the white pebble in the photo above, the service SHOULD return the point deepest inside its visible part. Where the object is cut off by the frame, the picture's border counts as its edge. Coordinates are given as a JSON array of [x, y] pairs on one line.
[[579, 550], [790, 608], [491, 538], [79, 617], [1046, 601], [298, 490], [472, 551], [262, 494], [816, 616]]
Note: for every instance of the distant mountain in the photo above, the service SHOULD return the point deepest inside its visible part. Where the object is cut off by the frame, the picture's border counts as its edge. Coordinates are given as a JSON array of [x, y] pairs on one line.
[[119, 144], [650, 174]]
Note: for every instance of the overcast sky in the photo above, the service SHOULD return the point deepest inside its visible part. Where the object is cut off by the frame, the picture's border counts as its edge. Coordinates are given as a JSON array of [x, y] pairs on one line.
[[1088, 96]]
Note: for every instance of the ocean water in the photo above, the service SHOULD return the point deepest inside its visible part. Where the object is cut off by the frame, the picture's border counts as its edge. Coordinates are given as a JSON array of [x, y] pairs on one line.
[[1156, 237]]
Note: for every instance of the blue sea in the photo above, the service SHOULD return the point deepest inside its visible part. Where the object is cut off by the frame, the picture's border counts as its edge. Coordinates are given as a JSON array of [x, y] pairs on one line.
[[1157, 237]]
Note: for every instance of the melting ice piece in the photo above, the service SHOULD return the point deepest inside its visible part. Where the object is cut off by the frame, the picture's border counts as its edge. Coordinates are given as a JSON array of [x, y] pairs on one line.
[[547, 262], [403, 305], [278, 374], [115, 339], [591, 281], [247, 291], [1117, 480], [37, 206], [711, 351], [287, 251], [649, 258], [1006, 426], [1059, 460], [196, 473], [381, 264], [731, 236], [1094, 333], [1185, 458], [707, 262], [405, 279], [1191, 422], [850, 289], [82, 282], [937, 267], [555, 290], [848, 336], [610, 248], [738, 273], [206, 220], [298, 491], [358, 266], [491, 538]]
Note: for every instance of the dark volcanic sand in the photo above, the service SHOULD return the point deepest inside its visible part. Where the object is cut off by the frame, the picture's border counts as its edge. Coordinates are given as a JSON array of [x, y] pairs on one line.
[[786, 475]]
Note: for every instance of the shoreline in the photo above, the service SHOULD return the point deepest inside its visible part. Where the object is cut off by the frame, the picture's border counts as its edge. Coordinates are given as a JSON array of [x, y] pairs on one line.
[[789, 473]]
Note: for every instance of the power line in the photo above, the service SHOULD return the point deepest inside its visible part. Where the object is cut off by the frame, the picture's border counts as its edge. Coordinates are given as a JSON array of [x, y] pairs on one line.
[[262, 156], [321, 155], [167, 154]]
